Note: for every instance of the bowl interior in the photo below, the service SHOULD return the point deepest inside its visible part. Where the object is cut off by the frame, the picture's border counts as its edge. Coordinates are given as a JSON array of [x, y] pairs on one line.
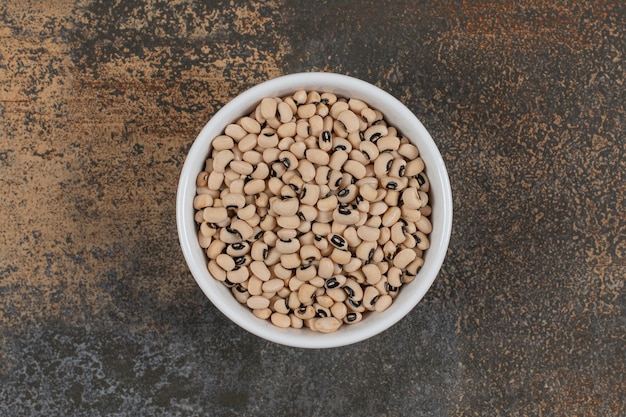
[[397, 115]]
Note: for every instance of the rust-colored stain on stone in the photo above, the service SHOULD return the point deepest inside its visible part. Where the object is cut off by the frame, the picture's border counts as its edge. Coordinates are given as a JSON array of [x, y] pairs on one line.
[[100, 102]]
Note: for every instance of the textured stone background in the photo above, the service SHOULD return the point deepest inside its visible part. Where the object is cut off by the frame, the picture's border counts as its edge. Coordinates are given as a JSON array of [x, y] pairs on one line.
[[100, 101]]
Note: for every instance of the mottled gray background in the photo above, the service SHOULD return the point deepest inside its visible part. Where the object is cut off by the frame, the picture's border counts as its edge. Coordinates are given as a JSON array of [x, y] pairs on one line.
[[99, 103]]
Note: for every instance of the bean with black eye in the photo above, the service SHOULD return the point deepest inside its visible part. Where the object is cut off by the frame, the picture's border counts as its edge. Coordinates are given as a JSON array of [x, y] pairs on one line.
[[353, 317]]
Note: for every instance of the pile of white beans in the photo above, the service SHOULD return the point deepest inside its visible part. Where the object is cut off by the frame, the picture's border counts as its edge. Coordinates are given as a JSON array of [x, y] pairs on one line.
[[313, 210]]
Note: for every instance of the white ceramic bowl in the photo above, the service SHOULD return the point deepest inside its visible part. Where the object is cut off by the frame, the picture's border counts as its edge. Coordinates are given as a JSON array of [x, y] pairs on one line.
[[396, 115]]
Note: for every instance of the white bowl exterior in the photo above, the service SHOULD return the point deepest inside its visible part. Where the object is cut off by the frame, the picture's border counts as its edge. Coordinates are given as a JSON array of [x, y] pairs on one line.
[[396, 115]]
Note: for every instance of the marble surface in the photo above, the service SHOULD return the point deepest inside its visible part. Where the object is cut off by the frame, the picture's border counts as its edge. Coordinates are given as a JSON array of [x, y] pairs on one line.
[[99, 102]]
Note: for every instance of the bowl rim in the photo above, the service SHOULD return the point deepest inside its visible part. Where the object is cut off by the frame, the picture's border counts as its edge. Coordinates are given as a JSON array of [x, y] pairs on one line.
[[242, 104]]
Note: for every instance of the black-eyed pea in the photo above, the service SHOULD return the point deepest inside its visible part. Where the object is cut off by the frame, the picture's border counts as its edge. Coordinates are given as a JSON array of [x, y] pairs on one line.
[[254, 187], [408, 151], [354, 168], [259, 250], [340, 257], [426, 210], [344, 214], [336, 281], [370, 297], [199, 216], [328, 98], [423, 181], [372, 273], [226, 262], [383, 303], [300, 97], [269, 106], [280, 320], [289, 160], [273, 285], [382, 164], [305, 312], [241, 228], [422, 240], [352, 266], [288, 191], [249, 124], [290, 260], [268, 139], [291, 103], [279, 271], [351, 236], [353, 289], [307, 170], [354, 305], [306, 292], [201, 201], [309, 253], [235, 131], [306, 272], [388, 143], [352, 317], [424, 225], [238, 275], [259, 269], [204, 241], [389, 250], [325, 301], [327, 324], [292, 300], [368, 234], [398, 168], [338, 241], [322, 244], [202, 179], [285, 234], [378, 208], [255, 286], [303, 128], [307, 111], [307, 238], [216, 271], [296, 323], [287, 130], [411, 199], [403, 258], [366, 250], [410, 215], [378, 255], [338, 107], [247, 213], [307, 213], [321, 311], [328, 203], [397, 233], [339, 310], [288, 222], [222, 142], [394, 183], [335, 179], [356, 105], [262, 313], [337, 159], [374, 133], [322, 175], [285, 113], [325, 140], [273, 257], [215, 180], [382, 286], [309, 194], [318, 282], [287, 246], [410, 241], [207, 229], [325, 268], [241, 293], [214, 214], [294, 284]]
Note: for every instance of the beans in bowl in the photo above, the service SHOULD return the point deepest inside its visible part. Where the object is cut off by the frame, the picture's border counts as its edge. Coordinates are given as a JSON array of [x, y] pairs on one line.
[[313, 210]]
